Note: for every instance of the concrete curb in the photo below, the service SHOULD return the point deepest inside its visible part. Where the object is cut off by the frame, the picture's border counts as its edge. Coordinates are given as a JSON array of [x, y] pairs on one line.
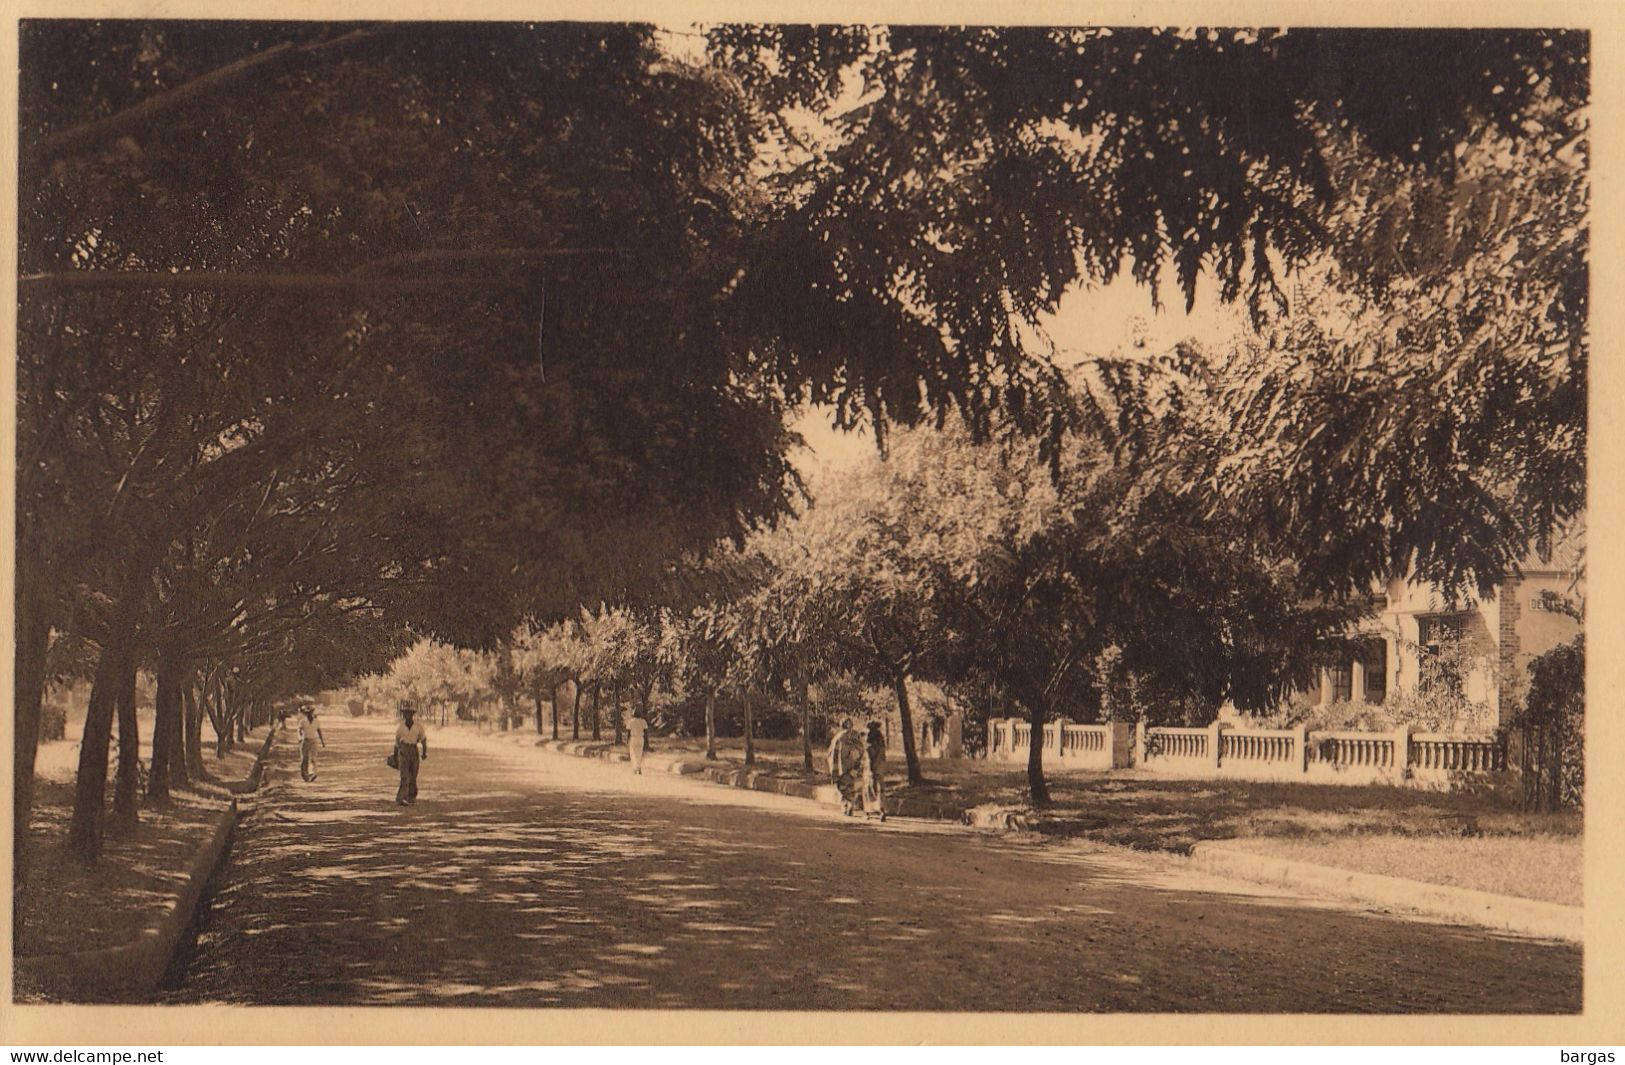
[[1506, 912], [135, 968]]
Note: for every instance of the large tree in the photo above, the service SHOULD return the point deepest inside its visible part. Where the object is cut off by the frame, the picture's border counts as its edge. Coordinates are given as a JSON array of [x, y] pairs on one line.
[[952, 183], [507, 398], [986, 560]]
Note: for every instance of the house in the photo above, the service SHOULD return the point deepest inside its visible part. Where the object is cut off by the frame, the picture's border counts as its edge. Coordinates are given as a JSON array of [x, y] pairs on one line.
[[1481, 646]]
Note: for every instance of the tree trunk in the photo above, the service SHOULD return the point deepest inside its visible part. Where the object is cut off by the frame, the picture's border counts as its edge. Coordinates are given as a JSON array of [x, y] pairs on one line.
[[710, 726], [220, 722], [615, 700], [806, 725], [127, 785], [596, 715], [750, 740], [90, 786], [1037, 789], [33, 635], [575, 710], [180, 773], [905, 717], [166, 725], [193, 699]]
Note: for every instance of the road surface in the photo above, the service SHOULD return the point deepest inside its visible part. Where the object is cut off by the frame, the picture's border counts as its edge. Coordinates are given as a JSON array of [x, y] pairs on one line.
[[524, 878]]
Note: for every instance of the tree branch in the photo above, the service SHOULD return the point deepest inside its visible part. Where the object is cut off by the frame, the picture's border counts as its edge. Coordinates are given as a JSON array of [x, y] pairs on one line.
[[236, 281], [131, 119]]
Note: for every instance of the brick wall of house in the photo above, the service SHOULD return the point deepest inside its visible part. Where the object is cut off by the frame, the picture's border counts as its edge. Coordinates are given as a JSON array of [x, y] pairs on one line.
[[1508, 645]]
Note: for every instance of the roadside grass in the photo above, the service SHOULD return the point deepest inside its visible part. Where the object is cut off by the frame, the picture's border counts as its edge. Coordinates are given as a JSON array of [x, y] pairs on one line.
[[1548, 868], [63, 905], [1476, 839]]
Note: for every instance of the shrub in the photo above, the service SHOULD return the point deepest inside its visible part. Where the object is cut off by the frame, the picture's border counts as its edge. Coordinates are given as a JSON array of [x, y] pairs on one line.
[[1337, 715], [1553, 723]]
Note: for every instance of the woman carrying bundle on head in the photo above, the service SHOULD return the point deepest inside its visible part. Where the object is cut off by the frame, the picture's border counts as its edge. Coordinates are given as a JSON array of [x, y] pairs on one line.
[[846, 764]]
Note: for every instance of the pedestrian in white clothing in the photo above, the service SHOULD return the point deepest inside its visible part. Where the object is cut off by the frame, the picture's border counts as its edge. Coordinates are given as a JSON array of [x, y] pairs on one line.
[[409, 737], [637, 738], [310, 734]]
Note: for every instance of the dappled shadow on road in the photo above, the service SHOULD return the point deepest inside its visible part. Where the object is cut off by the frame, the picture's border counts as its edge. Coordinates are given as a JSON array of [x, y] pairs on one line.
[[501, 888]]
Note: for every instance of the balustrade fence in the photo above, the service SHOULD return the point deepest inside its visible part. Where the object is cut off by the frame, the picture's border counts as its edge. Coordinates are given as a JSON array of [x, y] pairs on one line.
[[1220, 750]]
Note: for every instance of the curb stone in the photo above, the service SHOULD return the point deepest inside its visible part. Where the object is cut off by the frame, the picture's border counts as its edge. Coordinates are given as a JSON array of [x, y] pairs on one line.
[[135, 968], [1506, 912]]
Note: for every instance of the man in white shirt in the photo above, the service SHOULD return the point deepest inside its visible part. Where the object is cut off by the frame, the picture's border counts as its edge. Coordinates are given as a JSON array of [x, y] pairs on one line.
[[409, 737], [310, 734]]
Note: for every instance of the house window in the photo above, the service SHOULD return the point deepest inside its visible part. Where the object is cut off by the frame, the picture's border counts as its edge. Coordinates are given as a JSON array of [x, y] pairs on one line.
[[1376, 671], [1439, 640], [1342, 675]]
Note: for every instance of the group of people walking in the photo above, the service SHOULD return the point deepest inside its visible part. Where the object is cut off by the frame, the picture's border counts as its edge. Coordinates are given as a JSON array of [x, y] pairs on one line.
[[857, 762], [411, 749]]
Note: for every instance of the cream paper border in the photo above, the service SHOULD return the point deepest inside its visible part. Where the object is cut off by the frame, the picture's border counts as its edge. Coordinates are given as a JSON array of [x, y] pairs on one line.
[[1603, 1019]]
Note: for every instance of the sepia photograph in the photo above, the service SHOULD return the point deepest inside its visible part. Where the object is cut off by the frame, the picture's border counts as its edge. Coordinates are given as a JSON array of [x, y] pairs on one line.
[[838, 515]]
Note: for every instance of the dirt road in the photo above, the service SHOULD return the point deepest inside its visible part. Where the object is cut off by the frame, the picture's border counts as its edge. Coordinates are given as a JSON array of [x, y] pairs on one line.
[[531, 879]]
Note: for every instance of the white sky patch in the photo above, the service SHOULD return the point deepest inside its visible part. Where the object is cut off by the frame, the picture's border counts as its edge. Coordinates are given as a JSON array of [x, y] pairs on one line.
[[1091, 320]]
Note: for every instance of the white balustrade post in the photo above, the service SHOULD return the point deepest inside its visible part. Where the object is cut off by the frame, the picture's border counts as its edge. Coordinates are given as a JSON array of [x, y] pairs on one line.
[[1300, 736], [1139, 742], [1215, 740], [1120, 740], [1402, 752]]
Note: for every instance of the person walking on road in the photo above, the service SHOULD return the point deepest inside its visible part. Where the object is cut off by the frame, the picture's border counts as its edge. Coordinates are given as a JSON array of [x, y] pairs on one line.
[[846, 763], [310, 733], [874, 766], [637, 739], [409, 737]]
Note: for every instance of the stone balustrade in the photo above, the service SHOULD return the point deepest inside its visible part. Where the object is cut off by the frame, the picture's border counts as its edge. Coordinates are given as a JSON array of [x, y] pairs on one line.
[[1078, 746], [1179, 743], [1433, 754], [1220, 750]]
